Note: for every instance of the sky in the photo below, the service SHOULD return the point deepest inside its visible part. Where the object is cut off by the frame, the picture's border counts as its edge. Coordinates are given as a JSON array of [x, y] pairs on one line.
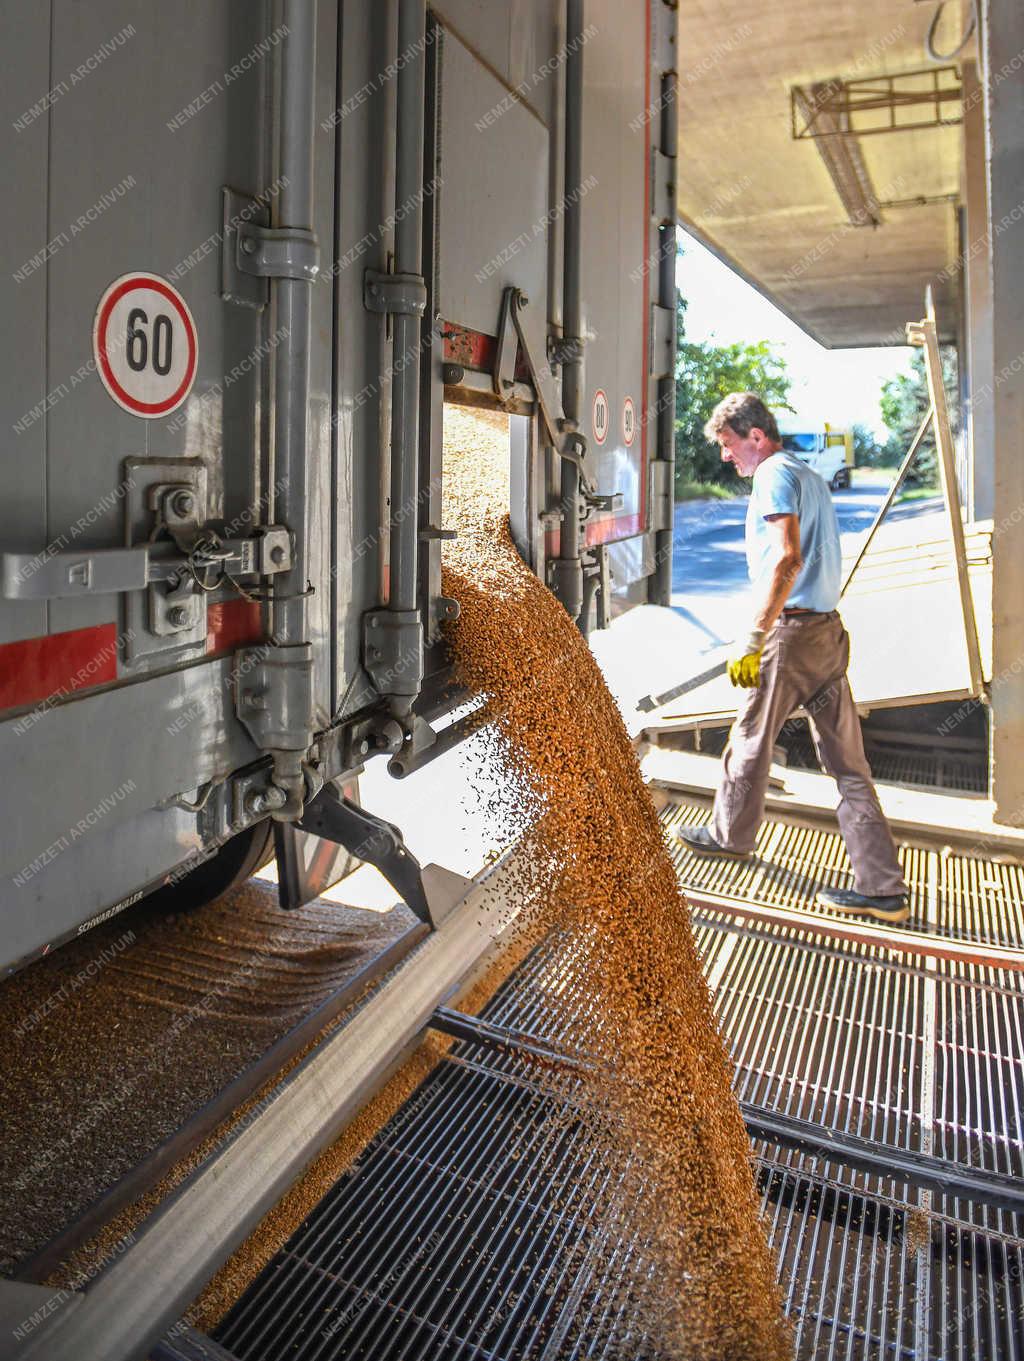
[[839, 386]]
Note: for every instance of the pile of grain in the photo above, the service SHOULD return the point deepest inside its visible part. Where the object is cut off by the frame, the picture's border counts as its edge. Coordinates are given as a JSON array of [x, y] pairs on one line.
[[115, 1040], [601, 873]]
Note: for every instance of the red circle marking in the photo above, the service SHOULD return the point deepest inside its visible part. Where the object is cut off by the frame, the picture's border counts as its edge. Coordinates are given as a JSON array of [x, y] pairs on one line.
[[156, 286], [630, 406], [601, 395]]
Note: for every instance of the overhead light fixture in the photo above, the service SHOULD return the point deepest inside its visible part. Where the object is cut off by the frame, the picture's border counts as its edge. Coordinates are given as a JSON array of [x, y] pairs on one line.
[[839, 149]]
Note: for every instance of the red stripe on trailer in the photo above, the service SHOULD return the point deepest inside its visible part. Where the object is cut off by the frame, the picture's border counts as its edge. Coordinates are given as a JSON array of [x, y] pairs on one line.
[[233, 623], [50, 667], [614, 528], [59, 664]]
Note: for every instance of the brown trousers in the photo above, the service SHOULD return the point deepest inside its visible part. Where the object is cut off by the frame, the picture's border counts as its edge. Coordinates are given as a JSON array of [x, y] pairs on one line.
[[804, 663]]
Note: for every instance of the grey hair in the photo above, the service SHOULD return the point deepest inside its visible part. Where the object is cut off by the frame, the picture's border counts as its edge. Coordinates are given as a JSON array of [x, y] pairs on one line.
[[741, 412]]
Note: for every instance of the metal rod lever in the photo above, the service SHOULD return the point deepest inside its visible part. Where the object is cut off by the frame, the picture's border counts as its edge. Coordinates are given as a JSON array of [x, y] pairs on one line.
[[562, 433], [925, 333], [650, 702], [462, 1027]]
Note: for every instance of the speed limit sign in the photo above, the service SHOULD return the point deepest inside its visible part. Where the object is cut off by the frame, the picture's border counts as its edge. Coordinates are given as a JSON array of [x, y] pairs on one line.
[[599, 416], [628, 420], [145, 345]]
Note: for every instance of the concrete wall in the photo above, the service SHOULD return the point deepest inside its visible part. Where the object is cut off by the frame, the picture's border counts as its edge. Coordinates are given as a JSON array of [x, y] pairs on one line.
[[1003, 75], [976, 283]]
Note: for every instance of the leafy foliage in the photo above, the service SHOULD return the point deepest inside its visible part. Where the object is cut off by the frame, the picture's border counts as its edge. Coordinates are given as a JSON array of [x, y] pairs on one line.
[[705, 374], [904, 402], [866, 450]]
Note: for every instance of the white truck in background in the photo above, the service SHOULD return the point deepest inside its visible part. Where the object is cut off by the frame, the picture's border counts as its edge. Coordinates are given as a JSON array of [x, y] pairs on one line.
[[828, 451]]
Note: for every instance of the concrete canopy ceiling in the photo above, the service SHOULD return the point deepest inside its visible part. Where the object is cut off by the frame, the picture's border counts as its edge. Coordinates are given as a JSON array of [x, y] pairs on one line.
[[766, 203]]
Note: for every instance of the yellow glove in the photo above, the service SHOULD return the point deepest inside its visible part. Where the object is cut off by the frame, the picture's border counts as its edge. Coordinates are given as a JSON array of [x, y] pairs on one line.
[[744, 667]]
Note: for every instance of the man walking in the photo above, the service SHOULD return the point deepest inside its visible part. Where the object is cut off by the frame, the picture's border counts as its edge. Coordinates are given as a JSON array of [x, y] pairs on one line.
[[796, 654]]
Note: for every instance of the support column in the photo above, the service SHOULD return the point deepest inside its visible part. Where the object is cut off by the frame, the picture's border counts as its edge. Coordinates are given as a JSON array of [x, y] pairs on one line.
[[977, 284], [1003, 73]]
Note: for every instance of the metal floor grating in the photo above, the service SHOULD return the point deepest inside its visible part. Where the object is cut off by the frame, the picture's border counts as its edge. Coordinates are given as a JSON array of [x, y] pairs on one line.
[[465, 1230], [467, 1227], [966, 897], [926, 1058]]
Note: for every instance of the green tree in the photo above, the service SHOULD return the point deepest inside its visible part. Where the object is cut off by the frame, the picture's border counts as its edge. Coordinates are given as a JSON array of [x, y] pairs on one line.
[[904, 402], [705, 374], [866, 450]]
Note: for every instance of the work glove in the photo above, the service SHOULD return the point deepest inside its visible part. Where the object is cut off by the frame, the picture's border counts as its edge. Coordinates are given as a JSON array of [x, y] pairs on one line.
[[744, 666]]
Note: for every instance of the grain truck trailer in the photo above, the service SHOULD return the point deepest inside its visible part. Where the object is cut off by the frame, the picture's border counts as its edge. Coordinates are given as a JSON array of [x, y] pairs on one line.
[[247, 286]]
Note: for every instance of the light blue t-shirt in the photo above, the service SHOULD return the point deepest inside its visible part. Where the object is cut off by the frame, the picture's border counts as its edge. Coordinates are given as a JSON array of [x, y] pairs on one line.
[[785, 486]]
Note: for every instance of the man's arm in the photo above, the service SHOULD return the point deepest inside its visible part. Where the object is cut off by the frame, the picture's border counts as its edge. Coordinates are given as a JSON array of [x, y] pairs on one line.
[[744, 667], [785, 537]]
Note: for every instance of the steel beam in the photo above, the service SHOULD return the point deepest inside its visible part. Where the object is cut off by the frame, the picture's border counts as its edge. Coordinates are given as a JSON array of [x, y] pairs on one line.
[[977, 372], [894, 938]]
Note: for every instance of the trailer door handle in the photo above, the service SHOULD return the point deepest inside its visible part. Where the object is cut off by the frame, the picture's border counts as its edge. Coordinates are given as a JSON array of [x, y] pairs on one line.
[[52, 576]]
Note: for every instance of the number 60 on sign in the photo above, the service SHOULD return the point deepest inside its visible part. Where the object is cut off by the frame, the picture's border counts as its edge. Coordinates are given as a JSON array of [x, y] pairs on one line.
[[145, 345]]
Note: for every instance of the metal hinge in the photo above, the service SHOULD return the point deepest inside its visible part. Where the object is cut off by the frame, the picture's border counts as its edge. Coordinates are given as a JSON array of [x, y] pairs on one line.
[[663, 176], [663, 340], [565, 350], [393, 650], [274, 701], [661, 493]]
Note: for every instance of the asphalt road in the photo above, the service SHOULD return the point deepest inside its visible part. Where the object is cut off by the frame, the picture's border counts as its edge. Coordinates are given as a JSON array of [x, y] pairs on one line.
[[709, 567]]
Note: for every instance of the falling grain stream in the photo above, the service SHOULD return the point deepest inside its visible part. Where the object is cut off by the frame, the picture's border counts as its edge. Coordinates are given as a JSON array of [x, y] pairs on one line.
[[560, 775], [600, 872]]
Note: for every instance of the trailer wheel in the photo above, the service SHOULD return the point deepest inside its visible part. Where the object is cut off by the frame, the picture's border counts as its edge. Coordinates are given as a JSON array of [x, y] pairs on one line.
[[841, 480], [229, 867]]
